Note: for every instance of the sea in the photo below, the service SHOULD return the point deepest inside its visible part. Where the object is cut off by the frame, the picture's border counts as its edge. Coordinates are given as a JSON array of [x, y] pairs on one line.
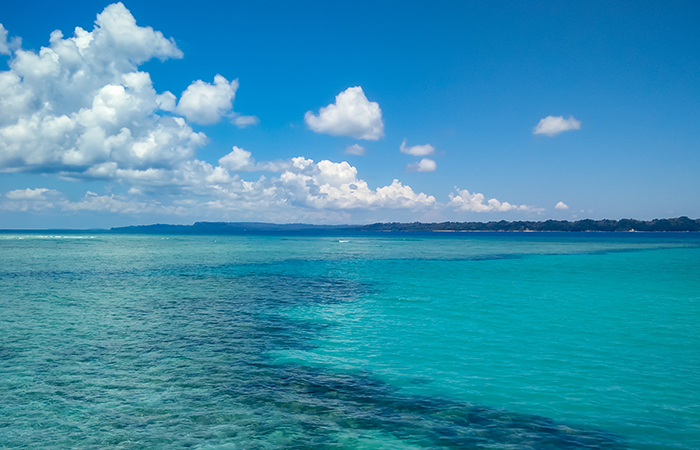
[[350, 340]]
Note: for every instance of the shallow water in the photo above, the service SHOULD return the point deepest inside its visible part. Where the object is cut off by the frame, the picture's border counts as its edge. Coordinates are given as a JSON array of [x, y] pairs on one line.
[[387, 340]]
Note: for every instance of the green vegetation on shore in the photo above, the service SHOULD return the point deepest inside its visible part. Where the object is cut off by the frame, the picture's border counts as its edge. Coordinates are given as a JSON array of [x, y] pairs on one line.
[[680, 224], [677, 224]]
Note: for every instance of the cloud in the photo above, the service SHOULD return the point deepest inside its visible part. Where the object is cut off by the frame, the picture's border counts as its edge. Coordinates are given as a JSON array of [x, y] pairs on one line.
[[166, 101], [561, 205], [424, 165], [30, 199], [118, 204], [4, 48], [42, 199], [27, 194], [552, 126], [417, 150], [245, 121], [206, 103], [302, 189], [305, 184], [464, 201], [81, 108], [355, 149], [351, 115], [237, 160], [336, 186], [116, 31]]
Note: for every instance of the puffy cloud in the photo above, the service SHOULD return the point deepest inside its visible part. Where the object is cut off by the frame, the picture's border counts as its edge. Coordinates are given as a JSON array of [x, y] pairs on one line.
[[81, 108], [417, 150], [116, 31], [464, 201], [552, 126], [27, 194], [166, 101], [561, 205], [424, 165], [301, 187], [206, 103], [351, 115], [237, 160], [355, 149], [30, 199], [336, 186]]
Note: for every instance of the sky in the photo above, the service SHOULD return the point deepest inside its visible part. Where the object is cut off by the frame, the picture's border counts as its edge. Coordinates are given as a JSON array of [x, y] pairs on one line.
[[116, 114]]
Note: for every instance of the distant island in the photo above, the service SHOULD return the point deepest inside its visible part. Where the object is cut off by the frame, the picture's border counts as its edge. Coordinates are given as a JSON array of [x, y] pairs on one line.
[[680, 224]]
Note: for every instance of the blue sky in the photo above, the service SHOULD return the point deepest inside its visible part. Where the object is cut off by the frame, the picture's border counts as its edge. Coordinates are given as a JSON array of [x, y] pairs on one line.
[[309, 112]]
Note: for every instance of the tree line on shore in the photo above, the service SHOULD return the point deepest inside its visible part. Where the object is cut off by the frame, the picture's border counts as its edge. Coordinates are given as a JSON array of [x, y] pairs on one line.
[[678, 224]]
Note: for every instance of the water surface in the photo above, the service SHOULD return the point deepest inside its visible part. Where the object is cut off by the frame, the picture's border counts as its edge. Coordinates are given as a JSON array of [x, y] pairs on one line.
[[387, 340]]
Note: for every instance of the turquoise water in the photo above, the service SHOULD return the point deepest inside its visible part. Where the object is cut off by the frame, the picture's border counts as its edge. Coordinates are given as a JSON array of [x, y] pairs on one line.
[[376, 341]]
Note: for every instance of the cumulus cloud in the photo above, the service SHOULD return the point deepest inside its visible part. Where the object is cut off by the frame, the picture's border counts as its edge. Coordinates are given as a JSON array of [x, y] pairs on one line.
[[561, 205], [237, 160], [424, 165], [28, 199], [81, 108], [303, 186], [417, 150], [206, 103], [351, 115], [166, 101], [464, 201], [355, 149], [27, 194], [336, 186], [552, 126], [116, 30]]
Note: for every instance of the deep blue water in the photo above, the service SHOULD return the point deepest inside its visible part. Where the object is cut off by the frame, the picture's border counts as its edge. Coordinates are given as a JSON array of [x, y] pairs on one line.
[[386, 340]]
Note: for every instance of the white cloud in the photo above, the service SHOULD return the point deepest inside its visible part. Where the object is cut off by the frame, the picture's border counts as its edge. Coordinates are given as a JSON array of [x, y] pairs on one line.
[[336, 186], [81, 108], [4, 48], [27, 194], [464, 201], [424, 165], [417, 150], [118, 33], [237, 160], [561, 205], [206, 103], [42, 199], [301, 187], [245, 121], [166, 101], [355, 149], [552, 126], [351, 115], [30, 199]]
